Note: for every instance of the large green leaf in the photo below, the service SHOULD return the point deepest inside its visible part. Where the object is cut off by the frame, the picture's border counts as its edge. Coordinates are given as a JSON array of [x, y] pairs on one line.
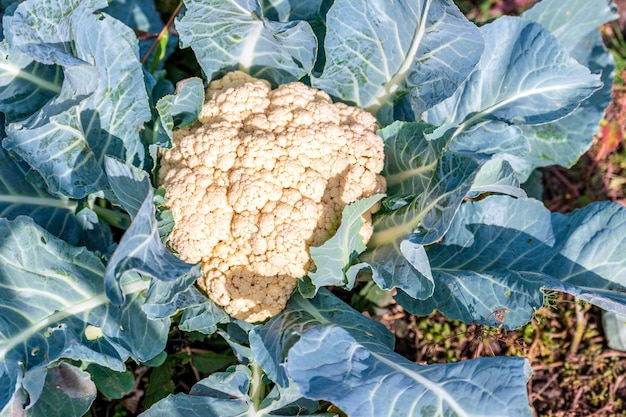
[[334, 353], [102, 105], [328, 363], [53, 306], [500, 253], [525, 77], [575, 25], [377, 51], [239, 36], [271, 341], [428, 184]]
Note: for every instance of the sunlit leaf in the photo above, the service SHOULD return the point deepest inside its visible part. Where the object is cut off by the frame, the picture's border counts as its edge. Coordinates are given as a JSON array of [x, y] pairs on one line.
[[377, 50], [238, 36]]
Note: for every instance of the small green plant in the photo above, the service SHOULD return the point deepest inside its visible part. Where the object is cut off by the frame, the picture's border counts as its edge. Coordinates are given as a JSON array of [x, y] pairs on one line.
[[617, 48]]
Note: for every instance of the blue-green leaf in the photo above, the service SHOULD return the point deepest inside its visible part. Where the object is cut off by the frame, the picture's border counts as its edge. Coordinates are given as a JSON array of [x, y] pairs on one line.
[[53, 305], [328, 363], [238, 36], [575, 25], [429, 184], [289, 10], [130, 185], [101, 108], [20, 197], [225, 394], [140, 249], [501, 252], [45, 30], [615, 330], [497, 176], [67, 390], [491, 138], [271, 341], [25, 84], [333, 259], [377, 50], [165, 298], [180, 109], [22, 192], [524, 77], [435, 180]]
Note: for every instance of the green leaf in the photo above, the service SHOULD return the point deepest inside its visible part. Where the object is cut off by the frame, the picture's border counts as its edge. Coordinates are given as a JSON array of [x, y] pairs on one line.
[[524, 78], [160, 383], [53, 306], [428, 184], [45, 30], [227, 394], [575, 25], [497, 176], [68, 391], [102, 105], [334, 257], [328, 363], [377, 50], [110, 383], [271, 341], [500, 253], [25, 84], [207, 362], [431, 181], [615, 330], [515, 83], [200, 313], [238, 36], [140, 249], [18, 196], [180, 109]]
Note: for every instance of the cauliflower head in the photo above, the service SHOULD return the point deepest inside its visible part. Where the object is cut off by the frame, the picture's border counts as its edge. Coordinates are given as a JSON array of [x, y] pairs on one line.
[[261, 177]]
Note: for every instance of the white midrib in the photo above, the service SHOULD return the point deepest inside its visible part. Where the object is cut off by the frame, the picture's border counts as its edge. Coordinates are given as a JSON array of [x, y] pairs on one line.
[[478, 116], [398, 178], [428, 384], [247, 53], [39, 201], [392, 234], [393, 84], [81, 307], [17, 72]]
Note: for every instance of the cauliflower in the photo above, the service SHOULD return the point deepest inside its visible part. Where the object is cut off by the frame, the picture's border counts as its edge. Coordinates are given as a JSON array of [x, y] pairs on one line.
[[261, 177]]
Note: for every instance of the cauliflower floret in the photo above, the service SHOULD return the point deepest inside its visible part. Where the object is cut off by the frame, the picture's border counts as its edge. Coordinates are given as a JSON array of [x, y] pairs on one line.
[[262, 177]]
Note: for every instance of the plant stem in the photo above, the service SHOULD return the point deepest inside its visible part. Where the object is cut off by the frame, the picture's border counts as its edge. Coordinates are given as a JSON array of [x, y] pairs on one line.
[[581, 324], [257, 387], [112, 217], [162, 33]]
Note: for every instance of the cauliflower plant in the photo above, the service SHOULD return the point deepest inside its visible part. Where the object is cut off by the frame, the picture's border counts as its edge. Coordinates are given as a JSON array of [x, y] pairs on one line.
[[261, 177]]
